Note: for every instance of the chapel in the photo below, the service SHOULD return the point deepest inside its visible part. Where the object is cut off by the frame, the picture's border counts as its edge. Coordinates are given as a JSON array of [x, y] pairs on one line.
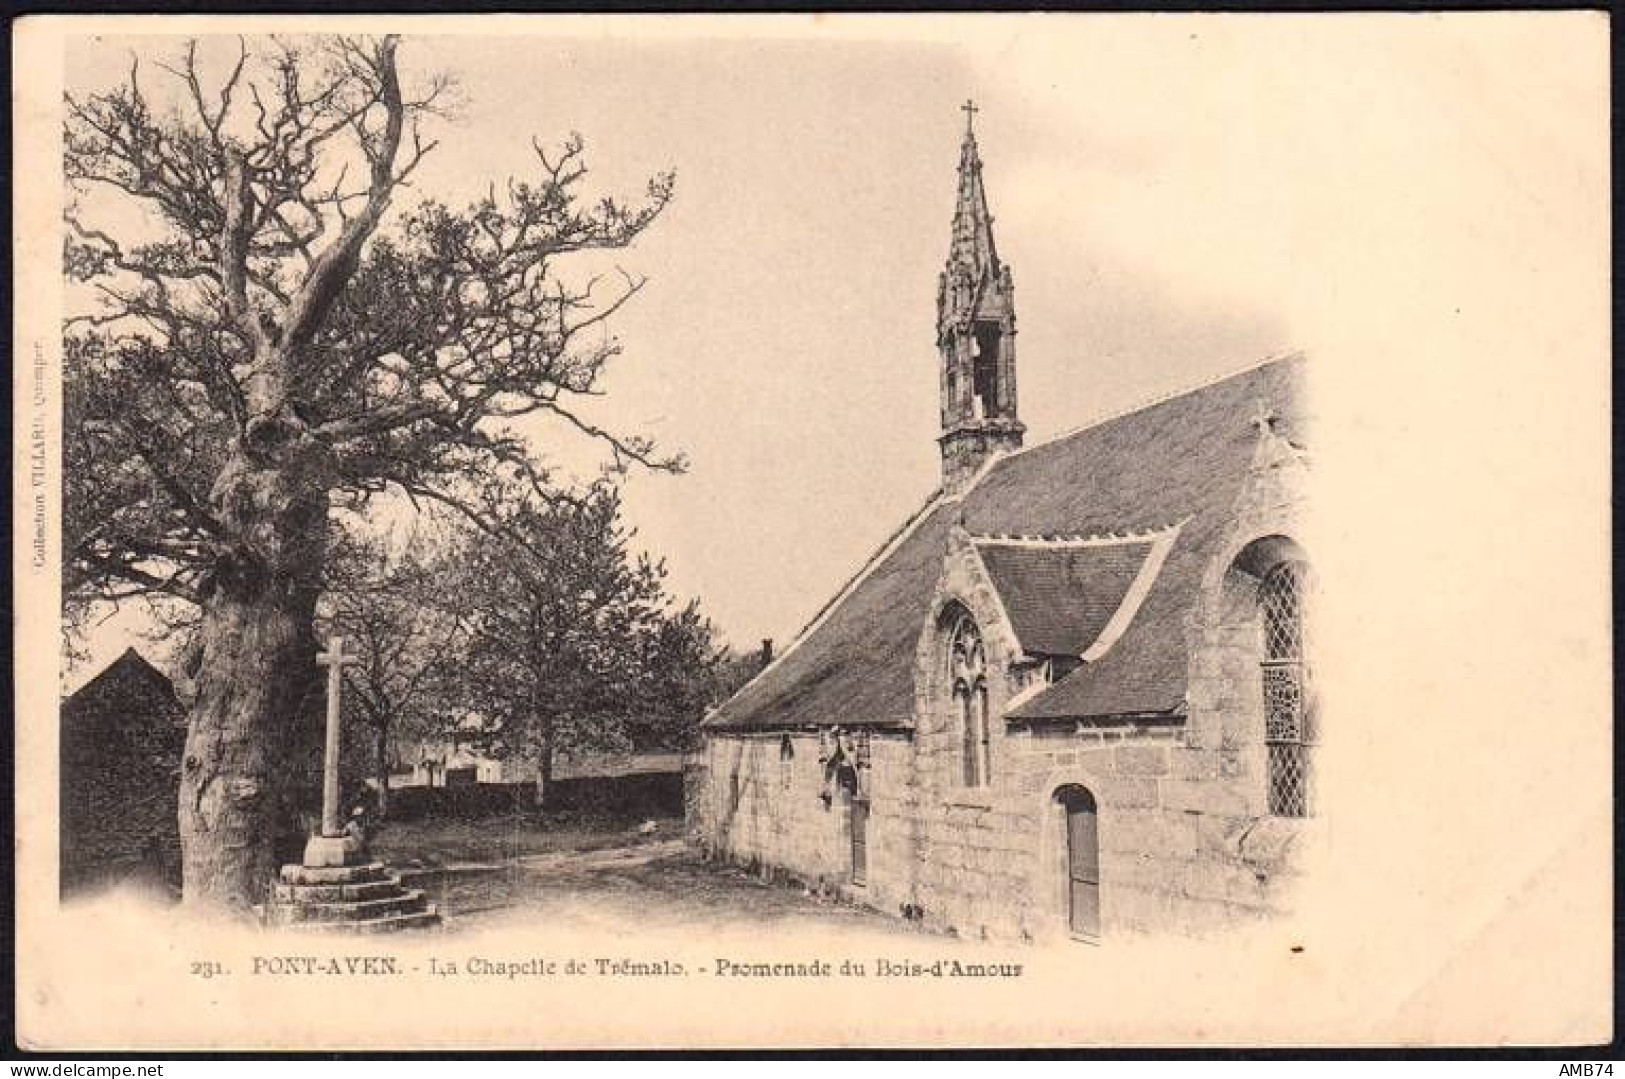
[[1070, 696]]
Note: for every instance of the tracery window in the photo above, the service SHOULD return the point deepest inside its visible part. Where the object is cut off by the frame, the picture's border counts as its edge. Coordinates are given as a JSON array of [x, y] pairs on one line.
[[968, 668], [1289, 720]]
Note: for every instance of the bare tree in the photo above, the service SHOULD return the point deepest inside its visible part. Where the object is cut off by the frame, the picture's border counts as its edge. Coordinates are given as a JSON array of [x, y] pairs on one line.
[[266, 346], [384, 602]]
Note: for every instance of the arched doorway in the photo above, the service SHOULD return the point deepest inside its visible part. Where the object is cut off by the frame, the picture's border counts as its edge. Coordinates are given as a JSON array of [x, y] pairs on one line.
[[1082, 861]]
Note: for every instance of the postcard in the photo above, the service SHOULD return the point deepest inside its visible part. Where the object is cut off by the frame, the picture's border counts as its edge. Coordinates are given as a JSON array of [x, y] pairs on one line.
[[812, 531]]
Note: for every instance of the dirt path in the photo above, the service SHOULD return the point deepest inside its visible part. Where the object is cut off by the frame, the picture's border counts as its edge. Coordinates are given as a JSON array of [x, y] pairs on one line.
[[620, 878], [660, 887], [570, 861]]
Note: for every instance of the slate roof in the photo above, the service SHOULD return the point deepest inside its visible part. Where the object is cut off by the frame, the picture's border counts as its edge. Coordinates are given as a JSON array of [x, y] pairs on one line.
[[109, 699], [1180, 460], [1059, 597]]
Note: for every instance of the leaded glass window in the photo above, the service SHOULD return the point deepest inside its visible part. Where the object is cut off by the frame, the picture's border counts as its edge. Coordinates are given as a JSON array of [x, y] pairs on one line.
[[968, 667], [1289, 735]]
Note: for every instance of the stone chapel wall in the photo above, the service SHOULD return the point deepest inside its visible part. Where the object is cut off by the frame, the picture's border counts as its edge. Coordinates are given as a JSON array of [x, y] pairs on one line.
[[765, 809], [1180, 848]]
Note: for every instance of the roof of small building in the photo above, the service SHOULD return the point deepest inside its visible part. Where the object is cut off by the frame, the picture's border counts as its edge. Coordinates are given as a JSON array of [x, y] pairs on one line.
[[1172, 467], [128, 689], [126, 721]]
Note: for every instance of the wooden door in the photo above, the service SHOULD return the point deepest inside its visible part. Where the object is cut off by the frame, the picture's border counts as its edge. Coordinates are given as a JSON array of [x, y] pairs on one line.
[[1083, 862], [860, 841]]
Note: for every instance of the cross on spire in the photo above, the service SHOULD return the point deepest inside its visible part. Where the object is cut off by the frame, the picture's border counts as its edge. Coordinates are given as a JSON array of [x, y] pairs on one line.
[[972, 231]]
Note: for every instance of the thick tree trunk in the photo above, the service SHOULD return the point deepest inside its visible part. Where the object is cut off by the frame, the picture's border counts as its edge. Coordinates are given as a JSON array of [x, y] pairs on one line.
[[255, 686]]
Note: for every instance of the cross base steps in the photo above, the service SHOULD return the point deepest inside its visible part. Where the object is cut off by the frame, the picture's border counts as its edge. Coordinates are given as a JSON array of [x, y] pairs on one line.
[[357, 898]]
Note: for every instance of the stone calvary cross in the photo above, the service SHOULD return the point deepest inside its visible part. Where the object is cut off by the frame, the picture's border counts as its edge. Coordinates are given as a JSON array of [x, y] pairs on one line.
[[339, 888], [328, 848]]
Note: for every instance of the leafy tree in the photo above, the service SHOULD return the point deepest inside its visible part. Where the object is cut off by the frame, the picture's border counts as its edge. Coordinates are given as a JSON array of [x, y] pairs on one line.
[[677, 677], [573, 645], [265, 343]]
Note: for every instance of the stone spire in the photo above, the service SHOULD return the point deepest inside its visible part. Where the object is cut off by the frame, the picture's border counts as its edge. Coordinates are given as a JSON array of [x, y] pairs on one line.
[[971, 249], [976, 331]]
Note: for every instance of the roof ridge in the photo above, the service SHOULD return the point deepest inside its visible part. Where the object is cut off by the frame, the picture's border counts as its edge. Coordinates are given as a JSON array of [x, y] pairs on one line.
[[1109, 539], [130, 659], [1141, 406]]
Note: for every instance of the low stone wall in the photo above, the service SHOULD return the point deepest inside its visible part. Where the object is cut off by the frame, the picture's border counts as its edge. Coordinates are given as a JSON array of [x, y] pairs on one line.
[[469, 800], [643, 795], [640, 795]]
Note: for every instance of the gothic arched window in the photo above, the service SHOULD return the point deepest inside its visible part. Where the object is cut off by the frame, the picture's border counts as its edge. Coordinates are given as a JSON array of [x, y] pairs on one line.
[[968, 669], [1289, 720]]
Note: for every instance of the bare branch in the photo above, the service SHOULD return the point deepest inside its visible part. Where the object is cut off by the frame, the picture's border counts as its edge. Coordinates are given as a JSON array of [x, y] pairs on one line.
[[334, 265]]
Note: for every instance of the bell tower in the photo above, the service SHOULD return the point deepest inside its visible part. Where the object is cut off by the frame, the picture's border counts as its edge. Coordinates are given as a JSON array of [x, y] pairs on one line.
[[976, 332]]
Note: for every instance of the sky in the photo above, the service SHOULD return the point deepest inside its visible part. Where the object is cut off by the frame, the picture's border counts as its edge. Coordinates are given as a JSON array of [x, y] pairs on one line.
[[1178, 198]]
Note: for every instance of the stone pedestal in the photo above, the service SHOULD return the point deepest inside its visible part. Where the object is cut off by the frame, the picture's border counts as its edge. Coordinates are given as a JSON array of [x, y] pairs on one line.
[[345, 898], [323, 851]]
